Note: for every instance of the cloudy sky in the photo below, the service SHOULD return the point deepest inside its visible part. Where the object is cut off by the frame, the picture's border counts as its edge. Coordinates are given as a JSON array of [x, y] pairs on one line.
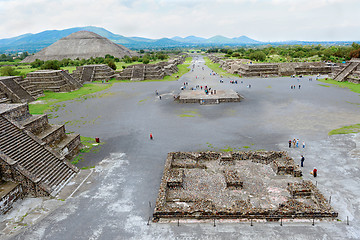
[[264, 20]]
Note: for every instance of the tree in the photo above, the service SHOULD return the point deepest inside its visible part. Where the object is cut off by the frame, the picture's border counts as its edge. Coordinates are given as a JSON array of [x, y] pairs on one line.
[[37, 63], [146, 60], [258, 56], [51, 64], [112, 65], [9, 71]]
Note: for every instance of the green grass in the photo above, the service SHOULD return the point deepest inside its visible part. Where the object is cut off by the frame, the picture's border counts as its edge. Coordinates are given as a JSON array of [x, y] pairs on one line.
[[50, 100], [215, 67], [189, 113], [119, 65], [352, 86], [90, 145], [346, 129], [69, 68], [323, 85]]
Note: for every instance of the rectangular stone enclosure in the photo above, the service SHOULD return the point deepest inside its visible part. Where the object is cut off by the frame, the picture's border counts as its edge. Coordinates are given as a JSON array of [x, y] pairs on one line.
[[237, 185]]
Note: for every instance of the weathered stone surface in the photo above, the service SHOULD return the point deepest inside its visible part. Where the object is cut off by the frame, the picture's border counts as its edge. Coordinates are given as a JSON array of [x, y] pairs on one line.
[[199, 186], [82, 45]]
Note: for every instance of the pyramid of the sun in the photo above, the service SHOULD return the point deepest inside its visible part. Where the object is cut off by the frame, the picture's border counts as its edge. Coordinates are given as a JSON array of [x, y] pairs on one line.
[[82, 45]]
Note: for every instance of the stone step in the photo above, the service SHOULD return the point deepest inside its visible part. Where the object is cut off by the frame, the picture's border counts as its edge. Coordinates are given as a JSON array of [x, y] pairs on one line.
[[35, 123], [71, 142], [33, 157], [52, 134]]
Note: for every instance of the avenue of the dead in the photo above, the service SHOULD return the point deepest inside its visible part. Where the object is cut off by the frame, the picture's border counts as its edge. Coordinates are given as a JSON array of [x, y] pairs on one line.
[[116, 198]]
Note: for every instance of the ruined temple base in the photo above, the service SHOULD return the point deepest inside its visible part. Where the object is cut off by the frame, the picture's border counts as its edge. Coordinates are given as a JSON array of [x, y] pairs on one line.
[[261, 186], [199, 96]]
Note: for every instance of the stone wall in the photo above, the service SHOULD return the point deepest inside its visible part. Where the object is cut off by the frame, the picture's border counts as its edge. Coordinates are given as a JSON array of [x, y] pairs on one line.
[[14, 192], [247, 68], [200, 185], [140, 72], [52, 80]]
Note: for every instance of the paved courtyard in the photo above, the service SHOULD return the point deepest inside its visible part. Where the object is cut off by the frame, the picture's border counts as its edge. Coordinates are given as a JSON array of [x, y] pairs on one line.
[[118, 197]]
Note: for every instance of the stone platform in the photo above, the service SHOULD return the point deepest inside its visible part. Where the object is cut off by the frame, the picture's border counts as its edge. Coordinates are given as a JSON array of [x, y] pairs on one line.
[[199, 96], [237, 185]]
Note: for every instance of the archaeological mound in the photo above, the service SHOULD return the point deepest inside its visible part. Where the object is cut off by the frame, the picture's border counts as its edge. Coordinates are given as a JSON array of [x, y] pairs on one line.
[[237, 185], [81, 45]]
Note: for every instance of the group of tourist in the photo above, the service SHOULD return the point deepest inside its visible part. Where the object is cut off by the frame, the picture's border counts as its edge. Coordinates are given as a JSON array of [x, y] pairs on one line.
[[294, 87], [295, 143]]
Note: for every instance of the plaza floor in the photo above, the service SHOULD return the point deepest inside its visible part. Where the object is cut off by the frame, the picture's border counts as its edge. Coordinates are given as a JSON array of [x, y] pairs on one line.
[[117, 198]]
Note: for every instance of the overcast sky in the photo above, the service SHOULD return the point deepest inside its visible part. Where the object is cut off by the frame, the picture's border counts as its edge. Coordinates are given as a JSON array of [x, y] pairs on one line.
[[264, 20]]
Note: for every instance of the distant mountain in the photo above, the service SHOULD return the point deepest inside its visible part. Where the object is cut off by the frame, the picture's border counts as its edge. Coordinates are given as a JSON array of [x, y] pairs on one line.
[[190, 39], [220, 39], [36, 42], [245, 39]]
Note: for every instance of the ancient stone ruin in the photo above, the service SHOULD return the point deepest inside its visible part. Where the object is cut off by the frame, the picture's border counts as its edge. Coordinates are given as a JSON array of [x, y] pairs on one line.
[[215, 97], [349, 72], [33, 154], [53, 80], [247, 68], [12, 91], [140, 72], [237, 185], [90, 73], [80, 45]]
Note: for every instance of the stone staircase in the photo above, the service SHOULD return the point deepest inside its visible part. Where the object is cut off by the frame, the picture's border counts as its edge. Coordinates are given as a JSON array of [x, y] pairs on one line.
[[4, 98], [87, 74], [138, 73], [71, 81], [52, 80], [346, 71], [30, 88], [14, 90], [25, 159], [66, 145]]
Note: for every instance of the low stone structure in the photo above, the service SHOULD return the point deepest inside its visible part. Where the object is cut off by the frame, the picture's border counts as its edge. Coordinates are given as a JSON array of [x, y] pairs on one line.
[[13, 92], [237, 185], [90, 73], [247, 68], [34, 153], [10, 192], [53, 80], [140, 72], [348, 72], [199, 96]]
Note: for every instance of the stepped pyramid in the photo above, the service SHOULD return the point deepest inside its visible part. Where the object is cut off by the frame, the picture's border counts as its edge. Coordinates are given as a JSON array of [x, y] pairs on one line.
[[82, 45], [34, 153]]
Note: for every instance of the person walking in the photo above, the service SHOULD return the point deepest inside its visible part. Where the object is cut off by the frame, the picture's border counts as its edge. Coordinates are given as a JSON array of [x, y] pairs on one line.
[[290, 143], [302, 161], [297, 143], [303, 144], [151, 136], [315, 172]]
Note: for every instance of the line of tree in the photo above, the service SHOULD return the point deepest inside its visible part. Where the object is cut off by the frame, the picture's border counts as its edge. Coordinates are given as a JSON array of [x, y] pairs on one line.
[[293, 52]]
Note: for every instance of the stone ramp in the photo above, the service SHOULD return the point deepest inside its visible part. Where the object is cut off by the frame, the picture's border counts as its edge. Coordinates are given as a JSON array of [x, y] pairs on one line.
[[341, 76], [39, 166], [4, 98], [87, 74], [14, 91], [71, 81], [138, 73]]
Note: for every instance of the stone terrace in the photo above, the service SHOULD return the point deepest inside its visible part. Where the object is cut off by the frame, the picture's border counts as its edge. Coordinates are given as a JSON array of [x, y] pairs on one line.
[[199, 96], [237, 185]]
